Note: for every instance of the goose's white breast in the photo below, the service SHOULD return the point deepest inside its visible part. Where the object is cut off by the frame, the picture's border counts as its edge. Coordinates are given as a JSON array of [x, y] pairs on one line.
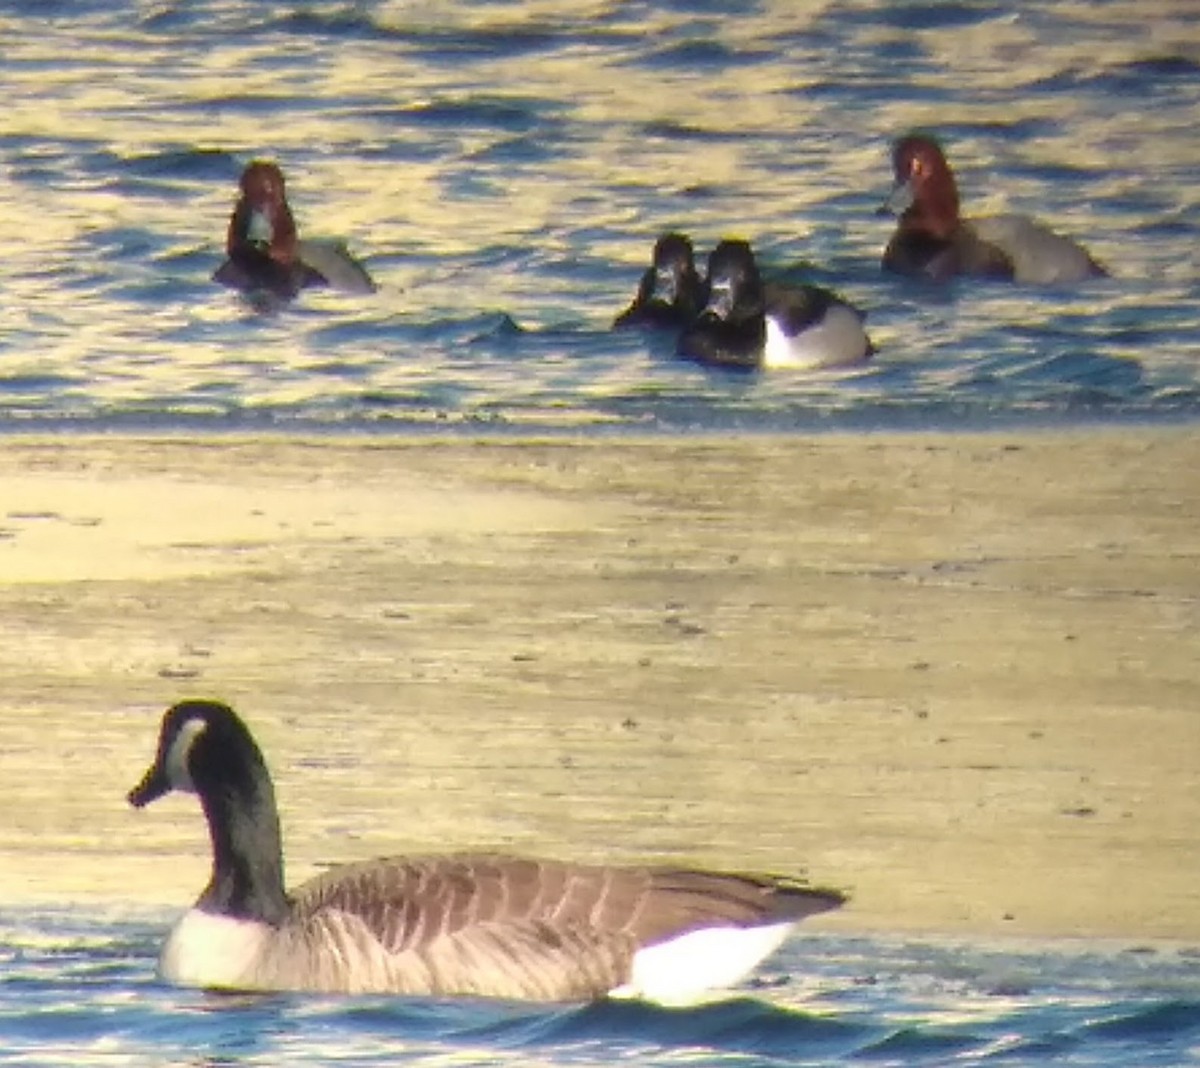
[[208, 950]]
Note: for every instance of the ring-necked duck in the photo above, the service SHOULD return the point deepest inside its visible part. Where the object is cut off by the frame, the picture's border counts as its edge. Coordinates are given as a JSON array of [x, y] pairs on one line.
[[750, 324]]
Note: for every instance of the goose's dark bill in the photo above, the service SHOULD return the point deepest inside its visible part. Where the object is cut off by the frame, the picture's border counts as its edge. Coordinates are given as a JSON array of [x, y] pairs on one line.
[[153, 785]]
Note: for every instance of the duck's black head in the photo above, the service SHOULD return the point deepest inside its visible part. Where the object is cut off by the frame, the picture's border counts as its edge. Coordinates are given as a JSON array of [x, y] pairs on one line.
[[735, 289], [670, 293], [675, 278]]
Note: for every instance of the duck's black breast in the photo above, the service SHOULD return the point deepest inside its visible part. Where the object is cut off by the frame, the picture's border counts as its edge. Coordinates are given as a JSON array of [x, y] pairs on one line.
[[921, 254], [655, 315], [736, 344], [249, 271]]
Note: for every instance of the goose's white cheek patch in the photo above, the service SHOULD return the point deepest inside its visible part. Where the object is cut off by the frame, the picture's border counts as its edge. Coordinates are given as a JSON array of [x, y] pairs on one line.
[[175, 763]]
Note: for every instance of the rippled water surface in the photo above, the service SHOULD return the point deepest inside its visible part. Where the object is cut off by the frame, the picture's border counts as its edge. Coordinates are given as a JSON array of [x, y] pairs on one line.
[[504, 167], [80, 990]]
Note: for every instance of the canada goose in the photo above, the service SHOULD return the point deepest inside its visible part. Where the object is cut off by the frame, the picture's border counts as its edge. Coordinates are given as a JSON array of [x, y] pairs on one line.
[[476, 924]]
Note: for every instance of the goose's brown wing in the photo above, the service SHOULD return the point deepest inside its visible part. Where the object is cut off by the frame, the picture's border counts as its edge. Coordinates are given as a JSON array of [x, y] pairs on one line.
[[683, 899], [411, 902], [408, 902], [512, 927], [475, 924]]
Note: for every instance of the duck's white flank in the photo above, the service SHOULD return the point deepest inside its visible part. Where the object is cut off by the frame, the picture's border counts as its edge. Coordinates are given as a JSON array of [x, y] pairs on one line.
[[684, 969], [837, 340], [209, 950]]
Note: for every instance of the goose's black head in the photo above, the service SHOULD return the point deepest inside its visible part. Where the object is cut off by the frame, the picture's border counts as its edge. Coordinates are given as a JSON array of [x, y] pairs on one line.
[[203, 748], [735, 289]]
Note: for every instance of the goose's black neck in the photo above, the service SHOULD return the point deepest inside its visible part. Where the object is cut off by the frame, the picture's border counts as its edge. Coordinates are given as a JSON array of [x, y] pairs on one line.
[[243, 823]]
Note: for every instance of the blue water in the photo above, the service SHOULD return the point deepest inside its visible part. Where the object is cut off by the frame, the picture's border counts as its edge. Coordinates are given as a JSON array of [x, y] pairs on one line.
[[503, 169], [80, 990]]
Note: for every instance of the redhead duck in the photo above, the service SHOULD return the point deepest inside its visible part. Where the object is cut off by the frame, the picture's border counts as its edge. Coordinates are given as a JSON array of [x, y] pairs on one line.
[[265, 254], [932, 241], [751, 324], [671, 293]]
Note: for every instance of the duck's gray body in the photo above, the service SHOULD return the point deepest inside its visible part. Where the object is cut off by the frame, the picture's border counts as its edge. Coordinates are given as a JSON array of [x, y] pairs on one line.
[[474, 924]]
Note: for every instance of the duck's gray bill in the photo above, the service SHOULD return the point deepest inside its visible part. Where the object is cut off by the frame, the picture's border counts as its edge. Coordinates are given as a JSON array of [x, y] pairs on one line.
[[899, 200]]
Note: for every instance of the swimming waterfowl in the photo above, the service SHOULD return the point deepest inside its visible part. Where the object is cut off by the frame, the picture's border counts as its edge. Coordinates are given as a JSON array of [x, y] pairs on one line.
[[932, 241], [462, 924], [671, 293], [750, 324], [264, 252]]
